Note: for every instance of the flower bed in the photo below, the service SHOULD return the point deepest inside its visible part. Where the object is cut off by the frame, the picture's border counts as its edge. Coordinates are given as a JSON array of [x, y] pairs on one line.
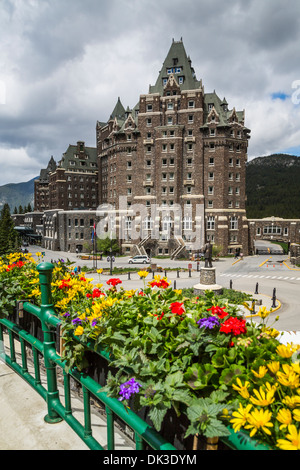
[[197, 356]]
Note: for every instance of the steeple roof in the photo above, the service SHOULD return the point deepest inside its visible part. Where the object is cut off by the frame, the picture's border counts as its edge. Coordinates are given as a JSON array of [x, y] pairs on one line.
[[119, 111], [178, 63]]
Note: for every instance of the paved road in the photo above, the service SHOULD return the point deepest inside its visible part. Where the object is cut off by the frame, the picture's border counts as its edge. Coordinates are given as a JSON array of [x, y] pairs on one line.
[[269, 271]]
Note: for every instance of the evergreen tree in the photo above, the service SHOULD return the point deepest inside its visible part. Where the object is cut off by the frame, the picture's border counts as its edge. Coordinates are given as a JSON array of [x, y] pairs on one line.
[[9, 238]]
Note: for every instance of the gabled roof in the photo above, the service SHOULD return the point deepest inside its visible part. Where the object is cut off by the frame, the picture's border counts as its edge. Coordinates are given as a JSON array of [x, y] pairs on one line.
[[178, 63]]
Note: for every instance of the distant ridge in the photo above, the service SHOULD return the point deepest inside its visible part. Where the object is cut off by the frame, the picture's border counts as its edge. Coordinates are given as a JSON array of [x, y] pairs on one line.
[[273, 187], [17, 194]]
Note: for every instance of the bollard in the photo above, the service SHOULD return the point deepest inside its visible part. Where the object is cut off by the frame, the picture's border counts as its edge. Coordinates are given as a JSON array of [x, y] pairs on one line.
[[165, 273], [256, 288], [177, 272], [128, 275], [230, 284], [175, 284], [274, 298], [190, 273]]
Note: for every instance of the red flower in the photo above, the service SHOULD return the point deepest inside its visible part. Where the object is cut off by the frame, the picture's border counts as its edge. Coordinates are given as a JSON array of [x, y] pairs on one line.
[[216, 310], [161, 283], [233, 326], [88, 295], [177, 307], [159, 317], [114, 282], [97, 292], [64, 284]]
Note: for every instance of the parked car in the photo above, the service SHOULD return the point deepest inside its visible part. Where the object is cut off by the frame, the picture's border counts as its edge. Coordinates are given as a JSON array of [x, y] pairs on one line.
[[139, 259]]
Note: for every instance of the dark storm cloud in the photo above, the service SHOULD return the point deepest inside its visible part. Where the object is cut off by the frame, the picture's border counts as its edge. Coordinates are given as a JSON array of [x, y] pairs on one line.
[[65, 62]]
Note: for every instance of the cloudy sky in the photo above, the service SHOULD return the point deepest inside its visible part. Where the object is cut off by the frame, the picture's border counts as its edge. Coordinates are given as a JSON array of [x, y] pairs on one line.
[[64, 63]]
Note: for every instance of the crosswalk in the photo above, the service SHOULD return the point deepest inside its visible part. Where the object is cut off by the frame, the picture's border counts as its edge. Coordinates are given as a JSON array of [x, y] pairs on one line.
[[259, 276]]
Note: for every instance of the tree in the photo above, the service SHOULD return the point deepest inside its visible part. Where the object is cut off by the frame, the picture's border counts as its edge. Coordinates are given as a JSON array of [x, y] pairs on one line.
[[104, 245], [9, 237]]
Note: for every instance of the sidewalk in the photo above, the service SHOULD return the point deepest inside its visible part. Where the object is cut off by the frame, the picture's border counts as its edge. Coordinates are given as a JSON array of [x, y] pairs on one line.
[[22, 412]]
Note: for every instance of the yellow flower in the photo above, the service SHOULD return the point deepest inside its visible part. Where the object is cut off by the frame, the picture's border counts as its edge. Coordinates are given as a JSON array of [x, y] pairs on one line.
[[263, 312], [285, 351], [264, 398], [284, 416], [38, 253], [259, 420], [261, 372], [274, 367], [288, 377], [178, 291], [291, 402], [143, 274], [242, 389], [99, 271], [240, 417], [79, 331], [296, 414], [292, 441]]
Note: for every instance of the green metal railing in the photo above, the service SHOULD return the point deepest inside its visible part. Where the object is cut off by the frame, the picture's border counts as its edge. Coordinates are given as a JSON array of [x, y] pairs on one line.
[[56, 410]]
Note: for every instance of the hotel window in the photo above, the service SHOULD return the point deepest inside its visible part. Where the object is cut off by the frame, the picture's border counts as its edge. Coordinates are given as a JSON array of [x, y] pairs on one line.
[[210, 190], [170, 121], [233, 223], [191, 118], [187, 223], [211, 161], [210, 222], [191, 104], [149, 108], [170, 105]]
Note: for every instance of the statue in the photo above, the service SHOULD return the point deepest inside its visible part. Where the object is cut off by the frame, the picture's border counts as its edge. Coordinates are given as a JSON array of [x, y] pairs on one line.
[[207, 251]]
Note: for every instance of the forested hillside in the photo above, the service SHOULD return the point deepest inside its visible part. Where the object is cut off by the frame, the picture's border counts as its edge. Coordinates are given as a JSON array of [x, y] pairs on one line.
[[273, 187]]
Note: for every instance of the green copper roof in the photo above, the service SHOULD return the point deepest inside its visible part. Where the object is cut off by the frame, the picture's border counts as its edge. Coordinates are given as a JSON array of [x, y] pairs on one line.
[[79, 157], [178, 63]]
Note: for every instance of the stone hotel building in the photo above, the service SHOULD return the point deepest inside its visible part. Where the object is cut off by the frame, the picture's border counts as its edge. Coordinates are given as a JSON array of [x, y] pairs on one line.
[[169, 173]]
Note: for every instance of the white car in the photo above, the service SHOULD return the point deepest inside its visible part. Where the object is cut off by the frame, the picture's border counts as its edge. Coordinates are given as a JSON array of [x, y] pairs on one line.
[[139, 259]]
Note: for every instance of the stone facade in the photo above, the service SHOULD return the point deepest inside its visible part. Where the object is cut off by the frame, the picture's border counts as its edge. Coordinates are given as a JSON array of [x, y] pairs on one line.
[[275, 229], [177, 148], [69, 231]]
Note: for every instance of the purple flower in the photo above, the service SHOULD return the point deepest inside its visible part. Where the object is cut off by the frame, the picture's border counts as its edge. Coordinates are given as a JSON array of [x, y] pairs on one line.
[[94, 322], [76, 321], [67, 314], [128, 388], [209, 322]]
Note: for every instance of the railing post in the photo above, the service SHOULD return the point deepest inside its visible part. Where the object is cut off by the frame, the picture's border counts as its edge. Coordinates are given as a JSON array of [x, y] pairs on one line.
[[45, 276]]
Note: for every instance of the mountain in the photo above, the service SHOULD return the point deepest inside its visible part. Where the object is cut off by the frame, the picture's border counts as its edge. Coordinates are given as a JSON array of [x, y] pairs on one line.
[[273, 187], [17, 194]]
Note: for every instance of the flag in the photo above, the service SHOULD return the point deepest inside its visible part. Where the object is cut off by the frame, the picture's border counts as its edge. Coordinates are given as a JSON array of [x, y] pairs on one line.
[[94, 231]]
